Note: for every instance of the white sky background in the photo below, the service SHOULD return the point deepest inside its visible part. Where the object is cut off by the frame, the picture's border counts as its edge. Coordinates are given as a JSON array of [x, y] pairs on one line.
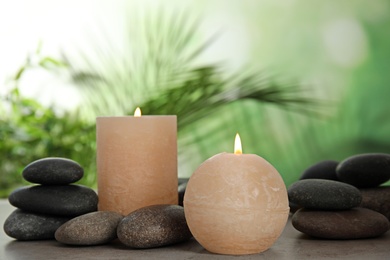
[[22, 25], [61, 24]]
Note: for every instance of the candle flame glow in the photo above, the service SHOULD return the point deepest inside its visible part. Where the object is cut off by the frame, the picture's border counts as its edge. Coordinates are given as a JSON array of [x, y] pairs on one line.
[[237, 145], [137, 112]]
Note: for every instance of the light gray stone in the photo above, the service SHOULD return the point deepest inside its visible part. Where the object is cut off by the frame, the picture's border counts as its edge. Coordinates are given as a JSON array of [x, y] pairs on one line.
[[94, 228]]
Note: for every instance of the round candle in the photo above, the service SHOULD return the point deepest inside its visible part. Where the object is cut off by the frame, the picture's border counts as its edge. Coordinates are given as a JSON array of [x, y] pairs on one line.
[[236, 204], [136, 162]]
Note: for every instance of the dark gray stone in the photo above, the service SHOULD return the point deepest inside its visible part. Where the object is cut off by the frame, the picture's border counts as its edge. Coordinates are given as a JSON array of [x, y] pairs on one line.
[[365, 170], [94, 228], [154, 226], [321, 170], [53, 171], [293, 207], [182, 189], [377, 199], [324, 194], [63, 200], [346, 224], [23, 225]]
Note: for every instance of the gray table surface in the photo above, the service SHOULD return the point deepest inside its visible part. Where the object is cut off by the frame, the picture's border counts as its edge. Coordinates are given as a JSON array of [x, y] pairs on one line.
[[291, 245]]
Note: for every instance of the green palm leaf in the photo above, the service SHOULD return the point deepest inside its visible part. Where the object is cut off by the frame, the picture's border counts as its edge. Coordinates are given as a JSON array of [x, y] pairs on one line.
[[159, 74]]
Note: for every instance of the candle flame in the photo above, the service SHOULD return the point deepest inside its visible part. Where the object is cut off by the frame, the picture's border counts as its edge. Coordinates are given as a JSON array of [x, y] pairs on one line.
[[137, 112], [237, 145]]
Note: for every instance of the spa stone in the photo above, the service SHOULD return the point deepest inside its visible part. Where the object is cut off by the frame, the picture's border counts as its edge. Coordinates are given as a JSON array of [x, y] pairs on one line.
[[154, 226], [94, 228], [324, 194], [53, 171], [23, 225], [62, 200], [182, 189], [355, 223], [365, 170], [377, 199], [321, 170]]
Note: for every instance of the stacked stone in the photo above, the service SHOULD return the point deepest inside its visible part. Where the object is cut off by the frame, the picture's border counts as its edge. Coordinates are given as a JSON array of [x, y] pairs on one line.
[[56, 208], [51, 201], [182, 189], [343, 200]]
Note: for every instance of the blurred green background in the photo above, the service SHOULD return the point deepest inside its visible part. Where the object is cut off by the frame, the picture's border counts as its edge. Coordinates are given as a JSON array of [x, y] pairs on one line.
[[300, 80]]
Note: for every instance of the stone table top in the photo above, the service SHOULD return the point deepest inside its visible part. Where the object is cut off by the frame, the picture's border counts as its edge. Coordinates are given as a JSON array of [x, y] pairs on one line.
[[291, 245]]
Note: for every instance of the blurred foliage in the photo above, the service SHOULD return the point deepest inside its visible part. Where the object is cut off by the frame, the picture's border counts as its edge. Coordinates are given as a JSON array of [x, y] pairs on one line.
[[172, 85], [206, 91], [357, 120], [30, 131], [154, 64], [157, 69]]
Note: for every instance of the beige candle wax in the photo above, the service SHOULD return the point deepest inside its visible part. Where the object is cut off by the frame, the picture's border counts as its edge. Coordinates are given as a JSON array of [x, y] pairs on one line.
[[236, 204], [136, 162]]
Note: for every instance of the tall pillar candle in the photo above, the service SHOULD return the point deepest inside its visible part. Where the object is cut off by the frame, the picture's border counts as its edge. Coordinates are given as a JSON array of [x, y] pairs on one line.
[[136, 162]]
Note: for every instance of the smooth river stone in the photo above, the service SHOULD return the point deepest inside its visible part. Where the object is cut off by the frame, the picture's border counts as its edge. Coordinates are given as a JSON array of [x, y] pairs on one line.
[[182, 189], [154, 226], [365, 170], [324, 194], [23, 225], [53, 171], [321, 170], [346, 224], [94, 228], [377, 199], [293, 207], [63, 200]]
